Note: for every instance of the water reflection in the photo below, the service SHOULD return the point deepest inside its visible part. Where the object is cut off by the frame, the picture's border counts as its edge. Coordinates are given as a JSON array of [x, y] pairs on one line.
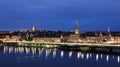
[[118, 59], [97, 57], [82, 56], [62, 54], [54, 54], [70, 54], [78, 54], [107, 58], [101, 56], [87, 56], [48, 53], [34, 51]]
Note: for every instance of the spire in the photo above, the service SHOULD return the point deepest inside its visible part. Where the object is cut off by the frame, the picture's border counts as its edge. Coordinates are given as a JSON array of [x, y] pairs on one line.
[[109, 34], [76, 24], [76, 28], [108, 29]]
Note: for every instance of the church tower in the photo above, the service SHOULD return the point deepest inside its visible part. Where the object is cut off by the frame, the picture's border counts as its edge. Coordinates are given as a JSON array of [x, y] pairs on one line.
[[34, 28], [76, 28], [75, 37]]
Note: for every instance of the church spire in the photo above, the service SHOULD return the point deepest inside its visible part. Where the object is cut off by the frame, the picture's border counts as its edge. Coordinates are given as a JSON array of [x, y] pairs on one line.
[[76, 28], [108, 30], [109, 34], [76, 24]]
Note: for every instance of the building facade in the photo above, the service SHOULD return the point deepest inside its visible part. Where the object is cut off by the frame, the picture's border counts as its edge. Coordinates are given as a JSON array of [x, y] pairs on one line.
[[41, 39]]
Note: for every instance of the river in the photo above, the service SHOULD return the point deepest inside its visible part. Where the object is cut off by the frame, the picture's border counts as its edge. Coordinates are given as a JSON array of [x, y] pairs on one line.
[[11, 56]]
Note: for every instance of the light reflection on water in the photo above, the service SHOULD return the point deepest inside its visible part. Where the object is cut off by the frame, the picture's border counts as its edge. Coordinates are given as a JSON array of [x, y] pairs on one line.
[[37, 52]]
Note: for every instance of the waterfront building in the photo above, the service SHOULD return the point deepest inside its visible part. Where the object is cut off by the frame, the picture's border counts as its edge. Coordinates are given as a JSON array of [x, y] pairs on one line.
[[94, 39], [103, 38], [43, 39], [11, 38], [74, 38]]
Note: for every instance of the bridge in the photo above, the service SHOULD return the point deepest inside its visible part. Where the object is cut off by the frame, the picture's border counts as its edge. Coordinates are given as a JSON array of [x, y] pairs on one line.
[[63, 45]]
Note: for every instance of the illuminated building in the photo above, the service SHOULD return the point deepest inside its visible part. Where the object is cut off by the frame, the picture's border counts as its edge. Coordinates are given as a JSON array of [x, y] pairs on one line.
[[33, 28], [40, 39]]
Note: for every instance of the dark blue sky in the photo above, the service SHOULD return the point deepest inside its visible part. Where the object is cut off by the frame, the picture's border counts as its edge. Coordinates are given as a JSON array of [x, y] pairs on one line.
[[60, 14]]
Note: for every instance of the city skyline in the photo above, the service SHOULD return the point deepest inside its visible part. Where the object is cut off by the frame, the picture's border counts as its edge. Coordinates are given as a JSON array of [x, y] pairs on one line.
[[34, 28], [60, 33], [92, 15]]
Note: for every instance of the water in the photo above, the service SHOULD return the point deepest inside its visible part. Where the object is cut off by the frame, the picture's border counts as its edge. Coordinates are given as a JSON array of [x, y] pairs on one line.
[[41, 57]]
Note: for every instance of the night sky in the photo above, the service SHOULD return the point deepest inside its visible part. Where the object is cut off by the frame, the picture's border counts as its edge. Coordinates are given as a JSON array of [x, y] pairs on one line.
[[93, 15]]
